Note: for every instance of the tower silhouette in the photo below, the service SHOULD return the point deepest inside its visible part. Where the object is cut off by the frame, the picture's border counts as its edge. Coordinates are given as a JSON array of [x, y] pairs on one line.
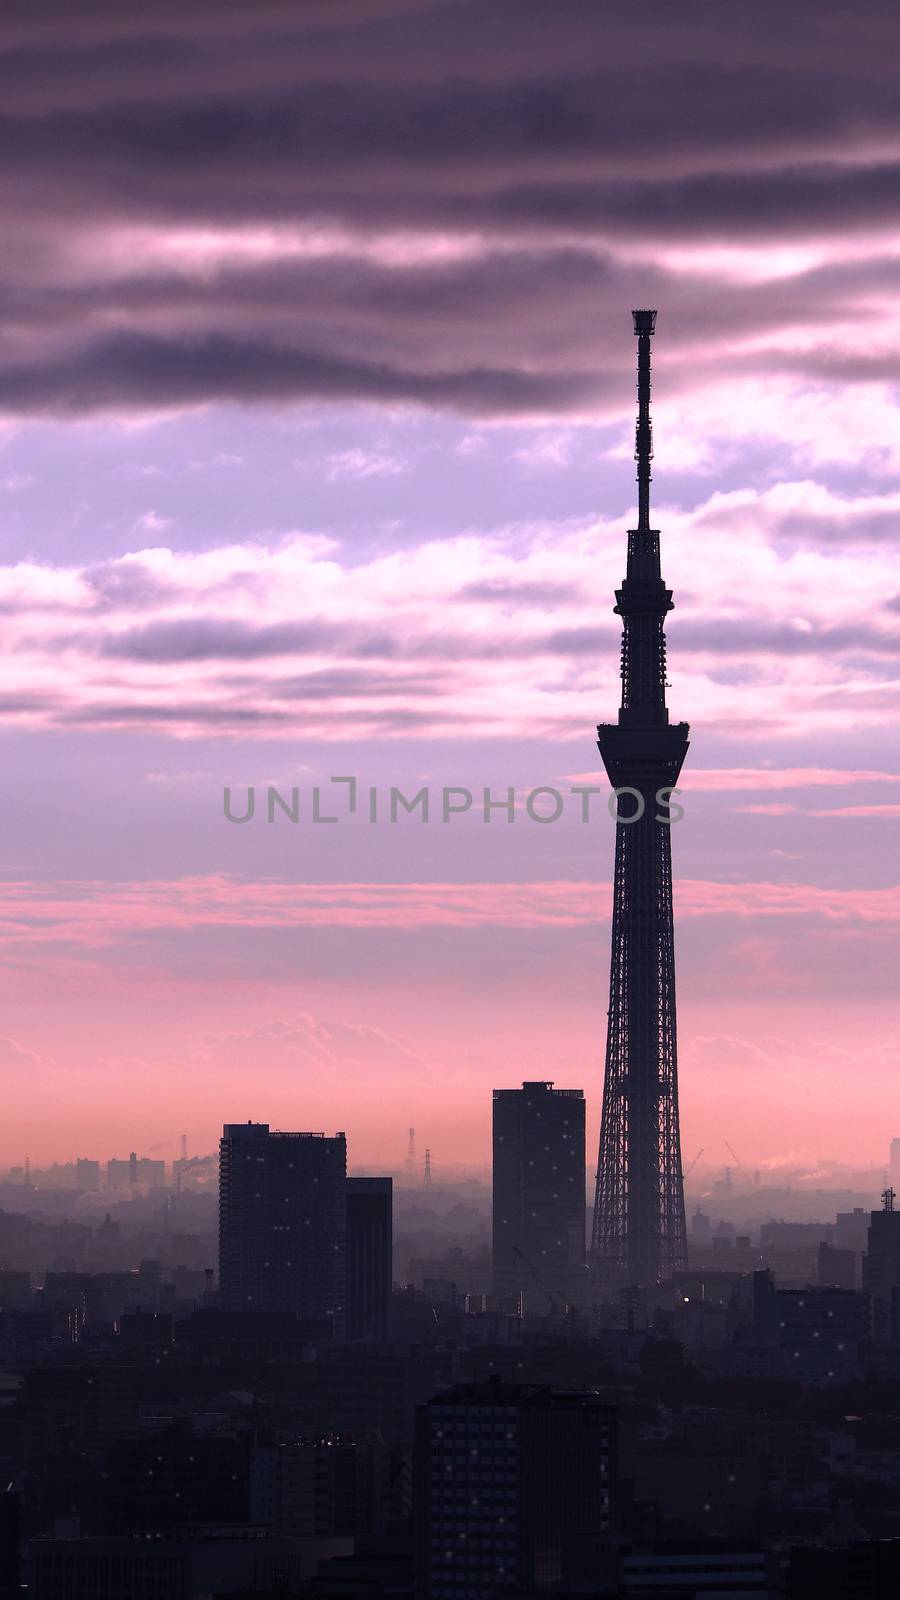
[[639, 1234]]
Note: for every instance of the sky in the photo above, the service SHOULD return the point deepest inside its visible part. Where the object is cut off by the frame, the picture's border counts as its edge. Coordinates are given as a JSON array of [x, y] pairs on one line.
[[316, 434]]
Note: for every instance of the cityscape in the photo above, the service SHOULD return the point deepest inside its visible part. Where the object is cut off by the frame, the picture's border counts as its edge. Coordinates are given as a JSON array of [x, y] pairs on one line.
[[449, 489], [258, 1373]]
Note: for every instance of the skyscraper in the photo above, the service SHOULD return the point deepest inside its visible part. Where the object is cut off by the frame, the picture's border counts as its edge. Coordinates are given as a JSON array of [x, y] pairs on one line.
[[538, 1205], [639, 1234], [369, 1258], [881, 1270], [282, 1223]]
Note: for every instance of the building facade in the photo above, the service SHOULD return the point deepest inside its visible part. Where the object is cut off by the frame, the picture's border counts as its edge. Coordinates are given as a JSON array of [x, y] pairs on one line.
[[514, 1490], [538, 1196], [283, 1223], [369, 1258]]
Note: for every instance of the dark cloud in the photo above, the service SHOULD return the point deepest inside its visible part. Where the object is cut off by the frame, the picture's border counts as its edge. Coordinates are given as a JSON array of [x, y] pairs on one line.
[[134, 371], [127, 583], [134, 712], [217, 638], [864, 527], [550, 133], [524, 593], [350, 683], [733, 636]]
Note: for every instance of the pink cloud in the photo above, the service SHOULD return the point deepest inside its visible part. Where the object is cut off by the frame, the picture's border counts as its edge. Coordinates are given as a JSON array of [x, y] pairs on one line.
[[94, 914], [285, 639]]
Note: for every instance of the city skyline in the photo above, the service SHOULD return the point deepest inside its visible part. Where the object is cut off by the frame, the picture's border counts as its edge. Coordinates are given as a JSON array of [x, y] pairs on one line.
[[303, 476], [375, 757]]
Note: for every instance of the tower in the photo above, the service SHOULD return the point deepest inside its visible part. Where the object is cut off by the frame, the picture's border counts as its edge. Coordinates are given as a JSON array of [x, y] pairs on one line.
[[426, 1176], [411, 1154], [639, 1235]]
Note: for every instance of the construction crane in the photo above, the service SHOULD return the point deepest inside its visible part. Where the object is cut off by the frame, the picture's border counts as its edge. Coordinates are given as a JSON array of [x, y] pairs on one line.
[[738, 1165], [529, 1267], [690, 1169]]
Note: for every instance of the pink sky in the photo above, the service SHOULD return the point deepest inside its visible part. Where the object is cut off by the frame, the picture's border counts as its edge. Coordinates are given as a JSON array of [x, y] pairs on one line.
[[316, 411]]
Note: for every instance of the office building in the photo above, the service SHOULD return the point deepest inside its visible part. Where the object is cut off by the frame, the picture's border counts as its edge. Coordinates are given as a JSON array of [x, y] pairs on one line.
[[538, 1200], [813, 1335], [369, 1258], [283, 1223], [515, 1490]]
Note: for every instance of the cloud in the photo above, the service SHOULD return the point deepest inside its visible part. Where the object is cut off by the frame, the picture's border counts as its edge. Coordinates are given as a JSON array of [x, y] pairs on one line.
[[444, 206], [363, 464], [216, 638], [310, 1044], [93, 915], [16, 1060], [499, 632], [546, 450]]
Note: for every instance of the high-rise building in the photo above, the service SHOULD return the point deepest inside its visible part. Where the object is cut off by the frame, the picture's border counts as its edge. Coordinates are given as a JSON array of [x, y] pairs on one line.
[[538, 1204], [881, 1270], [639, 1235], [283, 1223], [895, 1165], [369, 1258], [87, 1175], [515, 1490]]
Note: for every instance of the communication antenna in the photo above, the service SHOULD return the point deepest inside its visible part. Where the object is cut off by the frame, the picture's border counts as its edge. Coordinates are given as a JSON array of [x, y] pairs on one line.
[[426, 1178]]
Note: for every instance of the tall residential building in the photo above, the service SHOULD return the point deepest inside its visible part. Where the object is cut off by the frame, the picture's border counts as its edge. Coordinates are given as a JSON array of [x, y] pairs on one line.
[[538, 1205], [283, 1223], [87, 1175], [881, 1270], [639, 1235], [369, 1258], [515, 1490]]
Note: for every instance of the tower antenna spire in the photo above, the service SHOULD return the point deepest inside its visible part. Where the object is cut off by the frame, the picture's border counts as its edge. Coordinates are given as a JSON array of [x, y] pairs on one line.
[[644, 327]]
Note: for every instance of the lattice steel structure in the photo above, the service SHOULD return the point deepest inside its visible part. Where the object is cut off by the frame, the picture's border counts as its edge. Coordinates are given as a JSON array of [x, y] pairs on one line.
[[639, 1235]]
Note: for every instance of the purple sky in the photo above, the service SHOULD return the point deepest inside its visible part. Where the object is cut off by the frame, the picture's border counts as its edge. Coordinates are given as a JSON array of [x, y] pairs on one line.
[[316, 423]]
